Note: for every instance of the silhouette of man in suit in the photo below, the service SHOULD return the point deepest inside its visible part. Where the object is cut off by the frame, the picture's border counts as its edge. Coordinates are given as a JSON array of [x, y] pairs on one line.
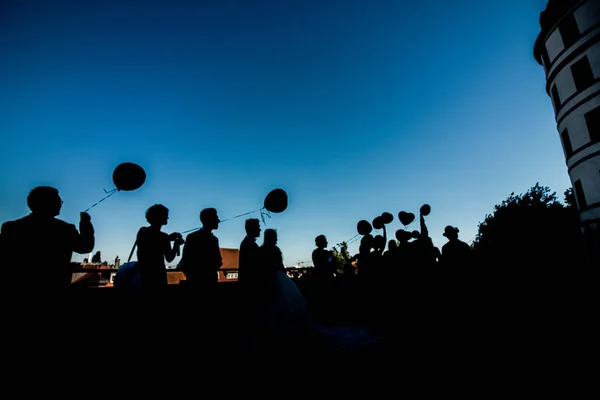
[[249, 254], [201, 257], [40, 246]]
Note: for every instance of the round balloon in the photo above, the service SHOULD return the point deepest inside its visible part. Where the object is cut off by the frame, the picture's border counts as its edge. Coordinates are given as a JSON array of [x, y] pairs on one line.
[[276, 201], [378, 223], [128, 176], [425, 209], [387, 217], [364, 227]]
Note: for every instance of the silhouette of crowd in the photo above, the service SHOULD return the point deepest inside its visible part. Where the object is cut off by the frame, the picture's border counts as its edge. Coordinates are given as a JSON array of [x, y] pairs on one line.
[[368, 289]]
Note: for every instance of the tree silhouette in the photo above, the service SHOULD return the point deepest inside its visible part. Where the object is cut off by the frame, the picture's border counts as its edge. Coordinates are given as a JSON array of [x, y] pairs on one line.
[[533, 230], [342, 259]]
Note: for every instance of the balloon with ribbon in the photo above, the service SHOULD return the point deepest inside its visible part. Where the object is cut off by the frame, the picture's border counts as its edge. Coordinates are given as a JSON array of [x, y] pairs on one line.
[[126, 176], [364, 227], [276, 201], [425, 210]]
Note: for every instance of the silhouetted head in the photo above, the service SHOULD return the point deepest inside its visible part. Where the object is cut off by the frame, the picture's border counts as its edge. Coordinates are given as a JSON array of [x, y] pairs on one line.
[[253, 227], [44, 201], [416, 234], [379, 242], [270, 237], [157, 215], [451, 232], [209, 218], [321, 241], [392, 245]]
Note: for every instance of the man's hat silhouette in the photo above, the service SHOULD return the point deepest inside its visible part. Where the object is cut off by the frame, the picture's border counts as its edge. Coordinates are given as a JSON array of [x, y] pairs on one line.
[[449, 230]]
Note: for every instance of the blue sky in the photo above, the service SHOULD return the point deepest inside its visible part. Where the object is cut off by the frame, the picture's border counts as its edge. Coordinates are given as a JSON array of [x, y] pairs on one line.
[[353, 107]]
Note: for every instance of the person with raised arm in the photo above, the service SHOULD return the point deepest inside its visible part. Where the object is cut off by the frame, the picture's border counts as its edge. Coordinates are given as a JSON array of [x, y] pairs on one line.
[[39, 246]]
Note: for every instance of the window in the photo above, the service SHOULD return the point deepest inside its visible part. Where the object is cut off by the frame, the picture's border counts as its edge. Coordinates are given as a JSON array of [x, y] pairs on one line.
[[555, 98], [582, 74], [592, 120], [580, 196], [569, 31], [567, 143]]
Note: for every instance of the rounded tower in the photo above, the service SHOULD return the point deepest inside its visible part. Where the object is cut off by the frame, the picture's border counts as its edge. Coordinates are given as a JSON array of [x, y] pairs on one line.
[[568, 47]]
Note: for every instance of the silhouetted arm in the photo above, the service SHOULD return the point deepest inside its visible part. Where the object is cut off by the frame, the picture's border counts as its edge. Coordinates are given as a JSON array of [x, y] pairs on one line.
[[172, 252], [219, 259], [84, 240], [424, 231]]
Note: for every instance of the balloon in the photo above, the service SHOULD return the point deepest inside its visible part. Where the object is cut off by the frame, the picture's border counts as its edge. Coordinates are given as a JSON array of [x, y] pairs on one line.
[[128, 176], [276, 201], [406, 218], [402, 216], [425, 209], [378, 223], [387, 217], [364, 227]]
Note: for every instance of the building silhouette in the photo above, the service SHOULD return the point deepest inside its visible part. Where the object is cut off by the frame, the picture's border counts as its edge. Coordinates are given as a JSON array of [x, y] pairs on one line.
[[568, 47]]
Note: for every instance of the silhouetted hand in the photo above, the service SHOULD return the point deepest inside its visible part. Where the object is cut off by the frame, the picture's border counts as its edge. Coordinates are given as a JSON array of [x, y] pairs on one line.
[[177, 238], [85, 217]]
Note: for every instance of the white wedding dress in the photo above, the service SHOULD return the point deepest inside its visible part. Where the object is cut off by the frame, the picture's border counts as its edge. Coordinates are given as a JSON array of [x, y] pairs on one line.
[[287, 320]]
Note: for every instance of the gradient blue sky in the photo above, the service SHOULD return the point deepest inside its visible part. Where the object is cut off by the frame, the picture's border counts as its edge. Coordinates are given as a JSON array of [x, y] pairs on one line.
[[353, 107]]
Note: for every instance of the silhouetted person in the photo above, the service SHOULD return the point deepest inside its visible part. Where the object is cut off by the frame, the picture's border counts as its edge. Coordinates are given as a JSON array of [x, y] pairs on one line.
[[390, 256], [249, 253], [40, 246], [377, 260], [364, 256], [404, 250], [154, 246], [201, 258], [270, 255], [456, 254], [426, 253], [322, 259]]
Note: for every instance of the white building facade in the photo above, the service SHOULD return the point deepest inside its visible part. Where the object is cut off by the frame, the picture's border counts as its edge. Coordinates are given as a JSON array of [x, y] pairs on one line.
[[568, 48]]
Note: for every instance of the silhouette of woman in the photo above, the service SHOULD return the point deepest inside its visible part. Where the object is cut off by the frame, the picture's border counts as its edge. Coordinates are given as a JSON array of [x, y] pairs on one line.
[[154, 246]]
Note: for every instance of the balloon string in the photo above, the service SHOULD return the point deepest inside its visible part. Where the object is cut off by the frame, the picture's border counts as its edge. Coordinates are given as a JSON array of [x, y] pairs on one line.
[[353, 239], [227, 219], [110, 193], [264, 213], [241, 215]]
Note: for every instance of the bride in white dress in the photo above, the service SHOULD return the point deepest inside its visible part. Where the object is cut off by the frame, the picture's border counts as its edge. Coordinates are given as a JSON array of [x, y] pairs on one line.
[[282, 318]]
